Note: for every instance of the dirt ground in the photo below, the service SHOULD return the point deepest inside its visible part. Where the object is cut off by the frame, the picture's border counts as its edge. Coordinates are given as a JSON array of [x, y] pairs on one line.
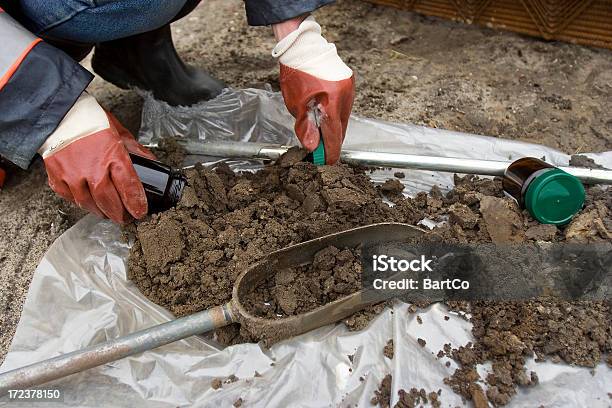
[[409, 68]]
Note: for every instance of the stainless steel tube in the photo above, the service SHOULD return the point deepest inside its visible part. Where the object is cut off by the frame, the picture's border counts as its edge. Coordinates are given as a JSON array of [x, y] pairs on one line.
[[245, 150], [112, 350], [395, 160], [590, 176], [457, 165], [445, 164]]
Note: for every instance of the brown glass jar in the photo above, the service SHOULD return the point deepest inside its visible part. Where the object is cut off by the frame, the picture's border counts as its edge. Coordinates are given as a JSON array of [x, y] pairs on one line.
[[551, 195], [163, 185]]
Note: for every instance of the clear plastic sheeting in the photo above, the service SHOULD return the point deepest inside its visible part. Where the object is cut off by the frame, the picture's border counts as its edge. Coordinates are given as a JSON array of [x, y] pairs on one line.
[[237, 115], [259, 115], [80, 296]]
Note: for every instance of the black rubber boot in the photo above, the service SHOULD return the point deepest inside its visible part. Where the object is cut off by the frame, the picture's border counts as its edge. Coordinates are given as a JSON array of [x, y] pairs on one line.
[[150, 62], [78, 51]]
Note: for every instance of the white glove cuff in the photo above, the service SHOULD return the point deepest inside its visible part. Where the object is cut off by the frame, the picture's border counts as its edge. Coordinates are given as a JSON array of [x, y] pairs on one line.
[[84, 118], [306, 50]]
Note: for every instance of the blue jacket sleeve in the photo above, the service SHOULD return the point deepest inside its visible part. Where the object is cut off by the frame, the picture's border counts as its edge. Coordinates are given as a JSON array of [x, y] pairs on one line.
[[38, 85], [266, 12]]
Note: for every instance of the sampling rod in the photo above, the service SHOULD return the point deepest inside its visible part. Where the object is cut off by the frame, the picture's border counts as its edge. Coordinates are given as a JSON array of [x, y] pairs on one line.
[[112, 350], [250, 150]]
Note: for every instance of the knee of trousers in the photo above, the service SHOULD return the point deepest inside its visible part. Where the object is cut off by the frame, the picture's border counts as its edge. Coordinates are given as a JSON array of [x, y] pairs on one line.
[[89, 21]]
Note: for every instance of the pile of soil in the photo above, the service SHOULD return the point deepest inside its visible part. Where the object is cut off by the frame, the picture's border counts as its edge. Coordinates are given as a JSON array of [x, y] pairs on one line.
[[188, 258], [333, 274]]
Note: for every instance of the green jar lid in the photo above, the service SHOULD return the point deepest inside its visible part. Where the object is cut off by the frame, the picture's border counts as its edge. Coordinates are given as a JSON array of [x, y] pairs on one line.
[[554, 196], [318, 155]]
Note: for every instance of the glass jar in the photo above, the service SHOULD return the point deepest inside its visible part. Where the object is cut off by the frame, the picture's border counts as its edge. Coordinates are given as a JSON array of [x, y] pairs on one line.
[[551, 195], [163, 185]]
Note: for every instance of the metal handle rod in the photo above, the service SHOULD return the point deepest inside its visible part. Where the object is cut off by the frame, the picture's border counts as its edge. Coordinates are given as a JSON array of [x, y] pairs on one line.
[[247, 150], [457, 165], [446, 164], [113, 350], [377, 159]]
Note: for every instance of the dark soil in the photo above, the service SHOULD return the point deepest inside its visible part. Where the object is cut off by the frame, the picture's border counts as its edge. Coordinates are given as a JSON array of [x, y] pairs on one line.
[[188, 258], [578, 160], [506, 333], [333, 274], [407, 399], [388, 351], [217, 383], [417, 398], [382, 396], [170, 152]]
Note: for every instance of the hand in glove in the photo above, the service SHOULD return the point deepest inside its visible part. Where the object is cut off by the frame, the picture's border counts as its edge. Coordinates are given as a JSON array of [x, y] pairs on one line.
[[87, 161], [318, 88]]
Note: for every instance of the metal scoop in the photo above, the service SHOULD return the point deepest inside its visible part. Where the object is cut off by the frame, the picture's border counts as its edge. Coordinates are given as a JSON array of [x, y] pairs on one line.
[[269, 330]]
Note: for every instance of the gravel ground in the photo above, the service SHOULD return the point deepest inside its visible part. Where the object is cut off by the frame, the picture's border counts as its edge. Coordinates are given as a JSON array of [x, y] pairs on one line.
[[409, 68]]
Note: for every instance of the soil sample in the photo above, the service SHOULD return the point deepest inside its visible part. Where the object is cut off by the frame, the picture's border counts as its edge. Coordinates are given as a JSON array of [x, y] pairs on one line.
[[333, 274], [389, 351], [188, 258]]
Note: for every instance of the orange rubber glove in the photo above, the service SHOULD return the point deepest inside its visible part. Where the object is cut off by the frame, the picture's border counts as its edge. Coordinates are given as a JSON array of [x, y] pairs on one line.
[[318, 88], [87, 161]]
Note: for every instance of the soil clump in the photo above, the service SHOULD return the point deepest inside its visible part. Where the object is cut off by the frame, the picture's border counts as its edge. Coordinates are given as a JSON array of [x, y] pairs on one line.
[[407, 399], [170, 152], [333, 274], [389, 351]]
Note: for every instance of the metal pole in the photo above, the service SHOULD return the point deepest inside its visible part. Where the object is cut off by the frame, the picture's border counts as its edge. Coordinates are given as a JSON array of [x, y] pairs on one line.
[[113, 350], [446, 164], [246, 150], [395, 160], [457, 165]]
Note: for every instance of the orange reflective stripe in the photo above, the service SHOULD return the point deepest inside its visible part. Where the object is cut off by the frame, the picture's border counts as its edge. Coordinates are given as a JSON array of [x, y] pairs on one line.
[[17, 62]]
